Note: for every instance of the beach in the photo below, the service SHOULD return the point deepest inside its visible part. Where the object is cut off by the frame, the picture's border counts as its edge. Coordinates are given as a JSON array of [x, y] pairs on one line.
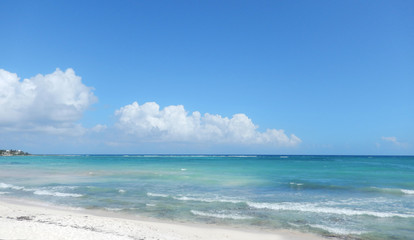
[[206, 197], [22, 220]]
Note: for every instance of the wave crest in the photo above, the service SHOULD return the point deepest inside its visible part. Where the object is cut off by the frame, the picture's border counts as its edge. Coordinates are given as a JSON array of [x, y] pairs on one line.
[[221, 215], [209, 200], [307, 207], [157, 195], [56, 194]]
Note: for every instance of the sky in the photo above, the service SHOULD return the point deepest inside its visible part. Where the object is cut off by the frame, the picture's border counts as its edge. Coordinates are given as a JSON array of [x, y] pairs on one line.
[[207, 77]]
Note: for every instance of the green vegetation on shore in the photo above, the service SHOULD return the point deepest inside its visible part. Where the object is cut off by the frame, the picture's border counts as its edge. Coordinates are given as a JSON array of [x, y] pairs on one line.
[[12, 153]]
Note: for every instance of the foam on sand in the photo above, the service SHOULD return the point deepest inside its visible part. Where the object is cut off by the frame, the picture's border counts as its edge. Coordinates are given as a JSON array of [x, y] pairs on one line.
[[22, 221]]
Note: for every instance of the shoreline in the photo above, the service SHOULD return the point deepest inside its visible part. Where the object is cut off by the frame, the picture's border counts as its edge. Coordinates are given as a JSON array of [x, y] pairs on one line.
[[20, 219], [216, 155]]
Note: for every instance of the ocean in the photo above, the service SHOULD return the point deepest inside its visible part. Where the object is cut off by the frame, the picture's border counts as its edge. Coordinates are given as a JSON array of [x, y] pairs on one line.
[[348, 197]]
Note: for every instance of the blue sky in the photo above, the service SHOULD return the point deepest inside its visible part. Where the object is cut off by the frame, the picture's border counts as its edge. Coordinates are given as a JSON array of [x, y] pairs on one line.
[[336, 76]]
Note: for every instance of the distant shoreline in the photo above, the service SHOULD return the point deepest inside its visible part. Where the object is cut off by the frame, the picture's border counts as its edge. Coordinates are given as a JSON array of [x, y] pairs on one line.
[[213, 155], [11, 152]]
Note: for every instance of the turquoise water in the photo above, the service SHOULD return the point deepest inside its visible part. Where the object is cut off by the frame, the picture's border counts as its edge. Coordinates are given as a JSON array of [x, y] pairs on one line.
[[352, 197]]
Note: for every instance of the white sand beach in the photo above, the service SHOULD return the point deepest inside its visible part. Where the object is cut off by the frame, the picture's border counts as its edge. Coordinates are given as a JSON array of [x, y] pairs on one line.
[[22, 220]]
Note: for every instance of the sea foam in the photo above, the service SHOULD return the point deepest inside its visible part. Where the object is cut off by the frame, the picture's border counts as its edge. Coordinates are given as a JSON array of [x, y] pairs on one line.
[[337, 230], [114, 209], [307, 207], [10, 186], [220, 215], [157, 195], [40, 191], [408, 192], [56, 194], [392, 190], [200, 199]]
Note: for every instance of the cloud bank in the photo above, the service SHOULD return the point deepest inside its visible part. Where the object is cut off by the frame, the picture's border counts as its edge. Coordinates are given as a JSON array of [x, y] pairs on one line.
[[173, 123], [49, 103], [53, 104]]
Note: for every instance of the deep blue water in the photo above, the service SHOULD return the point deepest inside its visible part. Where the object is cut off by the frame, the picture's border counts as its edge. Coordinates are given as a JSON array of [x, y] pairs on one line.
[[354, 197]]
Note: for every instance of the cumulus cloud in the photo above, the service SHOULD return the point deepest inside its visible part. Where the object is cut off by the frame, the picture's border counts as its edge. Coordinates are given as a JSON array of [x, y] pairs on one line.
[[49, 103], [173, 123]]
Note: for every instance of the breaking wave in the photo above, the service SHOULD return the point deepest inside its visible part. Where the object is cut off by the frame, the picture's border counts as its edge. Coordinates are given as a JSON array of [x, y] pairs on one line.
[[396, 191], [10, 186], [197, 199], [220, 215], [307, 207], [56, 194], [337, 230], [41, 191], [157, 195], [408, 192]]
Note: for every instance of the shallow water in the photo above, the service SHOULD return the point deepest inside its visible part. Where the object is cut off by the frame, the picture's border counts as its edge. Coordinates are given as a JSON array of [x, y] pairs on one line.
[[354, 197]]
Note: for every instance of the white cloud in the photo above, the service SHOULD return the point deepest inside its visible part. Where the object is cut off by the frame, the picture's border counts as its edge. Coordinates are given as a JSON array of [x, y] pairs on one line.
[[99, 128], [393, 140], [147, 122], [390, 139], [49, 103]]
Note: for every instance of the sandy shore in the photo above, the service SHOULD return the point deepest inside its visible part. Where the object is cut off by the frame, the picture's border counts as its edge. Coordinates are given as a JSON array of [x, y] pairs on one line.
[[19, 220]]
